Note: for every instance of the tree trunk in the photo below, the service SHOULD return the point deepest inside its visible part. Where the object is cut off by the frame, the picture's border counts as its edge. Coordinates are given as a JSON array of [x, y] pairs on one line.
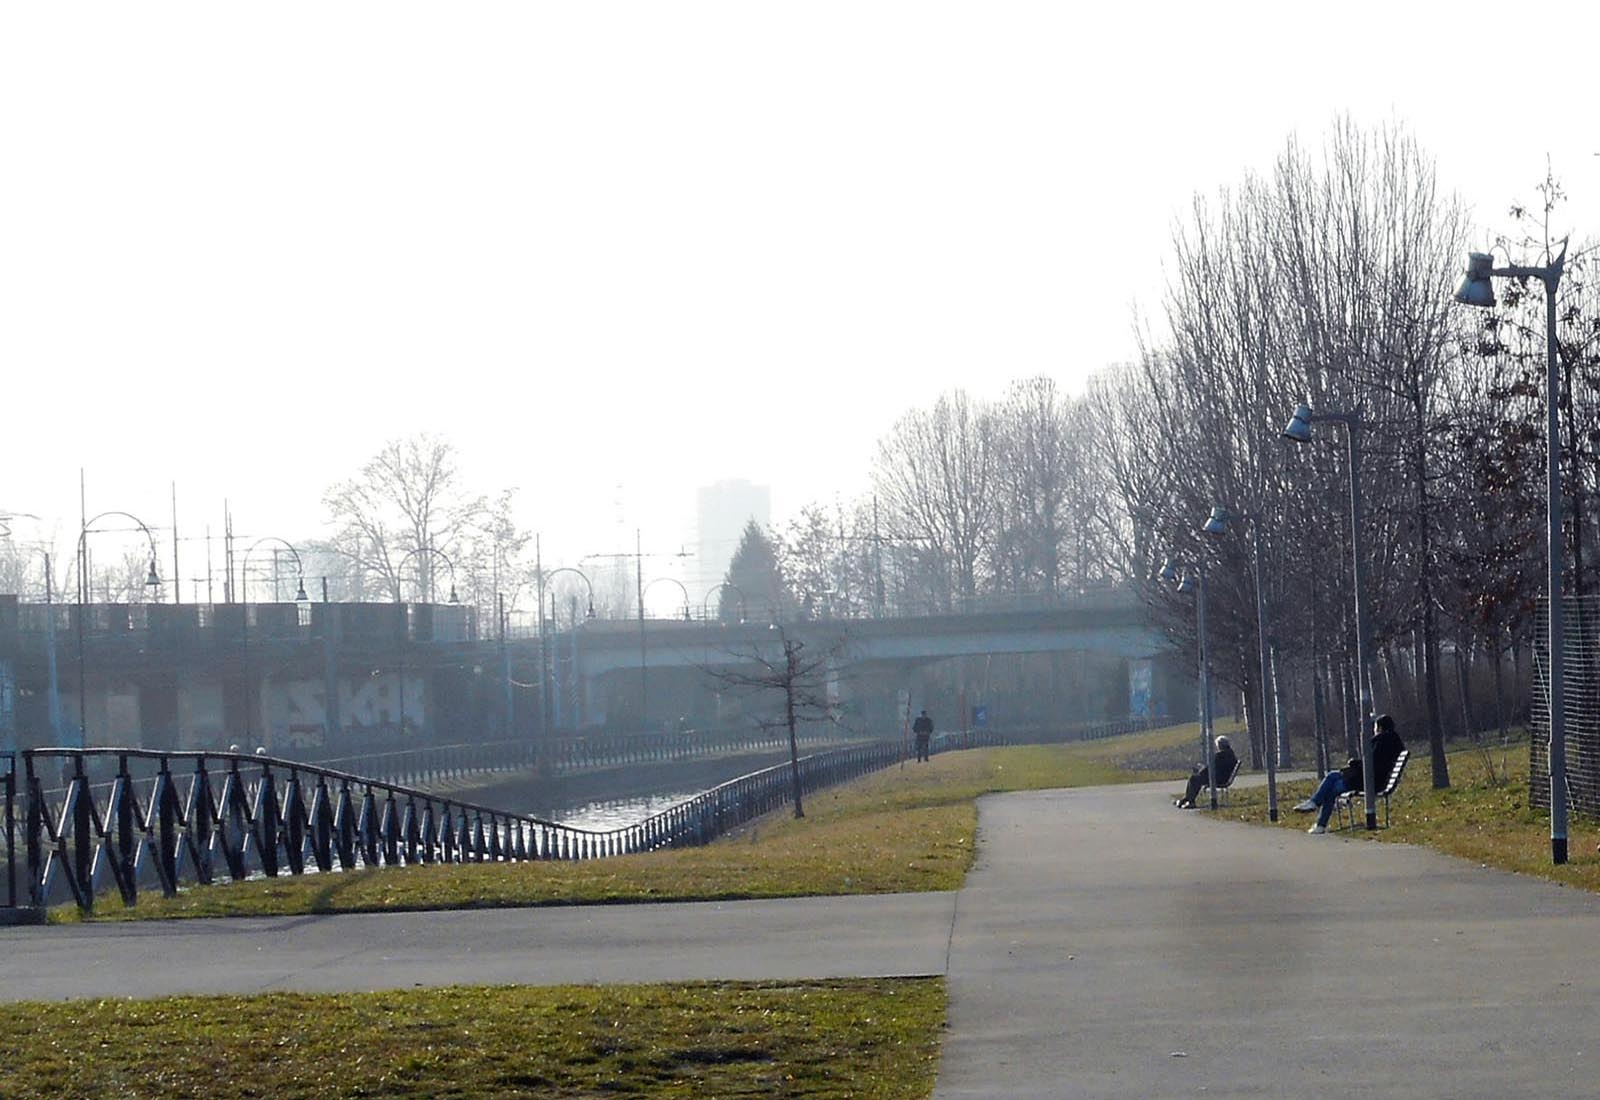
[[1467, 723], [1320, 718], [788, 712]]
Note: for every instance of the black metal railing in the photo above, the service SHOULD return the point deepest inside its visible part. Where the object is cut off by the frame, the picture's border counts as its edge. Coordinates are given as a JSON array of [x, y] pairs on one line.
[[137, 819], [568, 755]]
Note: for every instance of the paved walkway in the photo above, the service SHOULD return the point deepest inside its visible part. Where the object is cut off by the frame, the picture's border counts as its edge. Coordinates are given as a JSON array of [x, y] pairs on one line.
[[1106, 945]]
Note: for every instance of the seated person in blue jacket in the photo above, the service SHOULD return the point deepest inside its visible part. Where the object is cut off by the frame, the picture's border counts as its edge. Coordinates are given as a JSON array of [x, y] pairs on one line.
[[1386, 749], [1223, 759]]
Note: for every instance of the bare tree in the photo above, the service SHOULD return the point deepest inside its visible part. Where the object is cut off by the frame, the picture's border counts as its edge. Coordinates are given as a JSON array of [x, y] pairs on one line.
[[408, 499], [797, 677], [936, 475]]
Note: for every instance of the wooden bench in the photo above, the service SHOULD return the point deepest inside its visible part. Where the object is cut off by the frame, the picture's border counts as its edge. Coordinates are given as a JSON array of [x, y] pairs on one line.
[[1346, 802]]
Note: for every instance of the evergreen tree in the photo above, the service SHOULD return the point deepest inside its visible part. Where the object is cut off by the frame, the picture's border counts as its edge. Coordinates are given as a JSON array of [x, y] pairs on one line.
[[755, 575]]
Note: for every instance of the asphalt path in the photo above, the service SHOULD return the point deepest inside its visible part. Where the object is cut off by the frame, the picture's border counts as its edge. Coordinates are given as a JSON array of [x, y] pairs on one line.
[[885, 935], [1109, 945], [1105, 945]]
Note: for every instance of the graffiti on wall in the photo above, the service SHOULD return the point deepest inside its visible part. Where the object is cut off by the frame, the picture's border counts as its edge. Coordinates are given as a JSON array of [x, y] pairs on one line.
[[375, 702]]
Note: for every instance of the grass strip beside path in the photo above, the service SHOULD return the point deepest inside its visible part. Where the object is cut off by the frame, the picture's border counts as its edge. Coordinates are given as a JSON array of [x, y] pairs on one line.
[[1483, 815], [851, 1038], [907, 828]]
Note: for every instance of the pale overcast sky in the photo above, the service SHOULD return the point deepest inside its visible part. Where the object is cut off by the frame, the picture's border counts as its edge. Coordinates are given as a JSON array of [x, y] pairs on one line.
[[616, 251]]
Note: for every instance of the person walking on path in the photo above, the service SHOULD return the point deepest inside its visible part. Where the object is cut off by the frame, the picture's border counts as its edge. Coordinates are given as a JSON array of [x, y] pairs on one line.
[[1223, 759], [1386, 749], [923, 728]]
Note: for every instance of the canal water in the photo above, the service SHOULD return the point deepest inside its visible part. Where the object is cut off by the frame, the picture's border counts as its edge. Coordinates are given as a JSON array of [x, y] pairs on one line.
[[617, 797], [618, 813]]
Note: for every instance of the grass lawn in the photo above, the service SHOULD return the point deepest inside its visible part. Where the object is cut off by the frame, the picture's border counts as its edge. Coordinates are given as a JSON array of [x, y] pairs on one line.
[[1483, 816], [910, 827], [852, 1038]]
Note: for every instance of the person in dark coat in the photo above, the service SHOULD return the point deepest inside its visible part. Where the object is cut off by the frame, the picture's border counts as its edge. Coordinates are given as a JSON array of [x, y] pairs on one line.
[[923, 728], [1223, 759], [1386, 749]]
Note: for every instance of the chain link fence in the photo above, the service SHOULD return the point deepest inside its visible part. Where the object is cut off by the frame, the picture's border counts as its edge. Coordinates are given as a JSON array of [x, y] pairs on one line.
[[1580, 704]]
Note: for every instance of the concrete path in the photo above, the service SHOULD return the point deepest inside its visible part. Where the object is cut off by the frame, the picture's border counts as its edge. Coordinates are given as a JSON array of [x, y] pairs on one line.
[[1106, 945], [886, 935]]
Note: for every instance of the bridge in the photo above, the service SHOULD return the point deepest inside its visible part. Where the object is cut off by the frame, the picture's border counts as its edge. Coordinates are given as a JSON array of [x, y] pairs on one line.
[[335, 679]]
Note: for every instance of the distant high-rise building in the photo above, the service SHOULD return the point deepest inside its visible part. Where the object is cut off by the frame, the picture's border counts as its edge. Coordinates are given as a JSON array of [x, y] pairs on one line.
[[721, 512]]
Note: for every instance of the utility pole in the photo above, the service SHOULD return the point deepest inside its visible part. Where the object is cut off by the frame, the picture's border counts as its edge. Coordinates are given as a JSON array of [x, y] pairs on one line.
[[644, 665], [177, 577]]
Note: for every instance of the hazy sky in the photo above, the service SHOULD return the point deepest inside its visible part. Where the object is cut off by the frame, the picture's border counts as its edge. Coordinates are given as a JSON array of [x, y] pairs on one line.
[[620, 250]]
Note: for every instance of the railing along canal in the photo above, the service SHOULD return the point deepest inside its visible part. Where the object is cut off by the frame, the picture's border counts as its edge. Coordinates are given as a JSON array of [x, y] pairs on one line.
[[138, 819], [562, 756], [134, 819]]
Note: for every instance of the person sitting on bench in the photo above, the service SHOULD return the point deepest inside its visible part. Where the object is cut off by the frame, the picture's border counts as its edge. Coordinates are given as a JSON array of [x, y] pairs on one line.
[[1386, 749], [1223, 759]]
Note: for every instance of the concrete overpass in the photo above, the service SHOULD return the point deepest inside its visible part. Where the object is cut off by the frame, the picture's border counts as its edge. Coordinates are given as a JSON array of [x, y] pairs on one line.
[[354, 677]]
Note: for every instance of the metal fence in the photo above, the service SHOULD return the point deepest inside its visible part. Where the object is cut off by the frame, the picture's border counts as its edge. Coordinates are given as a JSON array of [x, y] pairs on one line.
[[134, 820], [566, 755], [1580, 706]]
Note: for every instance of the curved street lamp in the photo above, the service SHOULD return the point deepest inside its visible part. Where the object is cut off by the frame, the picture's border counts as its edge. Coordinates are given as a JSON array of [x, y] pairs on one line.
[[669, 580], [705, 604], [300, 597], [1298, 430], [151, 581], [1193, 579], [1477, 289], [400, 566], [587, 584], [1217, 524], [549, 690]]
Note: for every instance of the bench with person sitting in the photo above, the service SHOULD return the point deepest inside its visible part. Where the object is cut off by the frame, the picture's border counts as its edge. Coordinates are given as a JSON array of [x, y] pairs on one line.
[[1226, 764], [1346, 805], [1388, 761]]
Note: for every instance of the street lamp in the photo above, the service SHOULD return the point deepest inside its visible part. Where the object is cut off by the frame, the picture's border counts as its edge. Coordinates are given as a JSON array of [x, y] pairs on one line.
[[153, 580], [681, 588], [705, 604], [554, 694], [1217, 524], [1477, 289], [300, 597], [1194, 580], [1298, 430]]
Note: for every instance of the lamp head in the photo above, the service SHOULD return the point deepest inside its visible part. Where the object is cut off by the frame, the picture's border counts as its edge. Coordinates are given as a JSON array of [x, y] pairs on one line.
[[154, 579], [1217, 522], [1476, 288], [300, 593], [1299, 427], [590, 613], [453, 597]]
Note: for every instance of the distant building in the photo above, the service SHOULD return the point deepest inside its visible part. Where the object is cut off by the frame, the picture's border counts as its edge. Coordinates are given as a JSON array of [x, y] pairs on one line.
[[721, 512]]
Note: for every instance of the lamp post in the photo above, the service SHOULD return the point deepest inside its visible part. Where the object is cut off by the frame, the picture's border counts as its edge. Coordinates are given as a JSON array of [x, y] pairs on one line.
[[1477, 289], [153, 580], [1195, 581], [588, 614], [644, 661], [673, 580], [1299, 431], [405, 616], [50, 643], [300, 597], [705, 604], [1217, 524]]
